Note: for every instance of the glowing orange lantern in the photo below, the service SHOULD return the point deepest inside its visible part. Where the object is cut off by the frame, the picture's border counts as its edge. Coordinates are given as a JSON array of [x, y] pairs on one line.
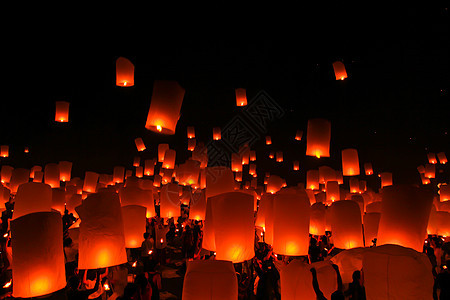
[[162, 148], [32, 197], [124, 72], [165, 107], [169, 205], [296, 281], [374, 207], [354, 185], [43, 272], [101, 240], [188, 172], [384, 265], [279, 156], [34, 169], [62, 111], [333, 193], [191, 144], [371, 222], [291, 223], [312, 179], [424, 179], [118, 174], [169, 159], [136, 161], [233, 226], [346, 225], [368, 168], [134, 221], [268, 140], [244, 152], [299, 135], [73, 201], [271, 155], [202, 276], [252, 155], [65, 170], [4, 151], [6, 173], [318, 138], [197, 205], [149, 167], [217, 133], [139, 144], [317, 222], [190, 132], [386, 179], [432, 158], [442, 158], [265, 205], [326, 174], [90, 182], [296, 164], [26, 150], [241, 97], [339, 70], [350, 162], [236, 162], [444, 192], [252, 169], [139, 172], [209, 242], [430, 171], [51, 175], [404, 216], [274, 184]]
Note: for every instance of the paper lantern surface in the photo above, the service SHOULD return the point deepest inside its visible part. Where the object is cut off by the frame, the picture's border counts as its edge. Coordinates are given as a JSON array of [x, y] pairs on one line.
[[132, 195], [169, 206], [140, 146], [296, 281], [218, 180], [124, 72], [318, 138], [51, 175], [134, 222], [241, 97], [65, 170], [371, 222], [339, 70], [43, 272], [317, 222], [32, 197], [346, 225], [350, 162], [62, 111], [217, 133]]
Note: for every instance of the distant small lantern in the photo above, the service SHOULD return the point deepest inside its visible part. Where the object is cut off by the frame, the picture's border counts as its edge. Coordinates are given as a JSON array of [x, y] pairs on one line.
[[333, 193], [274, 184], [6, 173], [442, 158], [238, 176], [268, 140], [432, 158], [62, 111], [169, 159], [271, 155], [444, 192], [312, 179], [317, 222], [350, 162], [386, 179], [165, 106], [34, 169], [124, 72], [296, 164], [118, 174], [354, 185], [139, 172], [136, 161], [241, 97], [368, 169], [339, 70], [190, 132], [4, 151], [65, 170], [318, 138], [90, 182], [252, 155], [217, 133], [191, 144], [252, 169], [197, 205], [26, 150], [236, 162], [162, 148], [430, 171], [139, 144], [279, 156], [149, 167], [299, 135]]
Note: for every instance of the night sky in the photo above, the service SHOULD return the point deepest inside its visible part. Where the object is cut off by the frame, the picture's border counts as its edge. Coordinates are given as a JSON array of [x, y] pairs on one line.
[[394, 107]]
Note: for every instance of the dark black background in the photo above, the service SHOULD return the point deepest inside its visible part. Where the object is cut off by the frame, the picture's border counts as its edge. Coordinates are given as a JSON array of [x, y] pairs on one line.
[[394, 107]]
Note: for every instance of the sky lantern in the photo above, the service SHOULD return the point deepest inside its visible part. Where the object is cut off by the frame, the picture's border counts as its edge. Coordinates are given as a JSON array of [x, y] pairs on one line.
[[362, 186], [140, 172], [43, 272], [346, 225], [279, 156], [18, 177], [265, 204], [140, 146], [354, 185], [368, 169], [169, 159], [200, 153], [101, 240], [442, 158], [236, 162], [317, 222], [349, 261], [124, 72], [210, 279], [209, 241], [268, 140], [296, 165], [217, 133], [296, 281], [134, 221], [197, 205], [432, 158], [430, 171], [424, 179], [191, 144], [169, 205], [90, 182], [32, 197], [421, 169], [333, 193], [318, 138], [271, 155], [149, 167], [291, 223], [6, 173], [165, 107], [386, 179], [188, 172], [62, 111], [350, 162], [190, 132], [65, 170], [4, 194], [252, 169], [4, 151], [252, 155], [299, 135], [244, 152], [274, 184], [444, 192], [371, 222], [339, 70], [404, 216], [233, 226], [51, 175], [167, 175], [136, 161], [395, 272], [241, 97], [162, 148], [118, 174], [312, 179], [132, 195]]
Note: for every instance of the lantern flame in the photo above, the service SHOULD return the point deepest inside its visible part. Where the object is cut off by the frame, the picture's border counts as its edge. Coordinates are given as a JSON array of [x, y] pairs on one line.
[[8, 284], [150, 252], [162, 241], [106, 286], [134, 264], [159, 128]]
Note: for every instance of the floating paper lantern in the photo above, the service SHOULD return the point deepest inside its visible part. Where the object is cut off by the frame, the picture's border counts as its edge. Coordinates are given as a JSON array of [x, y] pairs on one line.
[[241, 97], [386, 179], [274, 184], [209, 242], [432, 158], [317, 222], [197, 205], [312, 179], [326, 277], [51, 175], [442, 158], [217, 135], [354, 185], [404, 216], [444, 192], [169, 159], [4, 151], [368, 168], [191, 144], [371, 222], [252, 169], [296, 281], [279, 156], [149, 167], [350, 162], [190, 132], [43, 272], [162, 148], [188, 172], [233, 226], [118, 174], [296, 165], [165, 107], [136, 161], [236, 162], [132, 195], [18, 177], [65, 170], [62, 111], [6, 173], [265, 207], [424, 179], [299, 135], [346, 225], [139, 172], [210, 279], [271, 155], [101, 240], [318, 138], [395, 272], [333, 193], [430, 171], [90, 182], [362, 186], [32, 197], [252, 155], [4, 194], [169, 205], [421, 169], [139, 144], [339, 70], [268, 140], [26, 150], [348, 262], [291, 223], [124, 72], [326, 174], [134, 221], [244, 152]]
